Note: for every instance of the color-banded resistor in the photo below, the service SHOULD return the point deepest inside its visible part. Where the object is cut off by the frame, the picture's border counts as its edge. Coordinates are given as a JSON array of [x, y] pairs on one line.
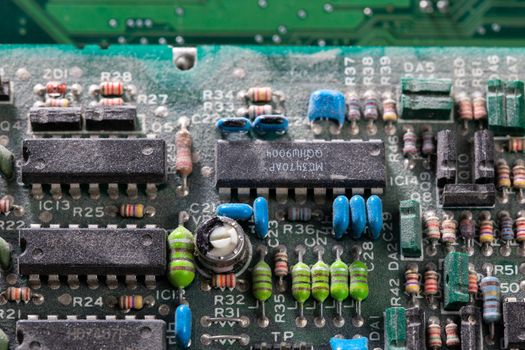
[[465, 108], [428, 148], [302, 214], [504, 182], [253, 111], [301, 284], [486, 233], [111, 88], [7, 205], [409, 147], [491, 291], [431, 284], [262, 284], [467, 230], [224, 280], [258, 94], [448, 231], [451, 334], [181, 271], [18, 294], [183, 321], [520, 231], [390, 115], [57, 102], [434, 333], [479, 106], [183, 158], [506, 232], [280, 269], [371, 110], [518, 177], [132, 211], [56, 89], [472, 283], [432, 231], [412, 286], [358, 286], [320, 284], [354, 111], [112, 101], [339, 284], [516, 145], [130, 302]]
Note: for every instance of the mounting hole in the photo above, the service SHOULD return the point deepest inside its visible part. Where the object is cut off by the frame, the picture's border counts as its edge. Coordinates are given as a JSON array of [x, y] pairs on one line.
[[184, 58]]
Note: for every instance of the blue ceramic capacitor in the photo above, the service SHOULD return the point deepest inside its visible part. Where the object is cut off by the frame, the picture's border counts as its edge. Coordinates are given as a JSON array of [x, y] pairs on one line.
[[327, 104], [235, 211], [234, 125], [358, 215], [374, 209], [183, 321], [340, 216], [270, 124], [260, 217]]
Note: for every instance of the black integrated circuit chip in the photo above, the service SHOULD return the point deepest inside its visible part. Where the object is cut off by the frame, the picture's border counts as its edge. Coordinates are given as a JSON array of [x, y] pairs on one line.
[[111, 118], [45, 119], [83, 251], [295, 164], [130, 334], [81, 160]]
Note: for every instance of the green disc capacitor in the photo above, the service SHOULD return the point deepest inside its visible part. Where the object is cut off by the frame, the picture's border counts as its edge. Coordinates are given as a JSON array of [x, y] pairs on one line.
[[301, 282], [358, 280], [5, 254], [339, 288], [262, 281], [4, 341], [182, 267], [320, 281]]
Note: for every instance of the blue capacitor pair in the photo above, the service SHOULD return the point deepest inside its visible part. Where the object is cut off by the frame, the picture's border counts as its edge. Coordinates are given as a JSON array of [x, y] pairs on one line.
[[349, 344], [264, 124], [183, 320], [354, 212], [244, 212], [327, 104]]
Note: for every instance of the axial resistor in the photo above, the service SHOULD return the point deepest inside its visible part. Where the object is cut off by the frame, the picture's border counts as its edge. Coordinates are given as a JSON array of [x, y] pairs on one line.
[[354, 107], [479, 106], [18, 294], [132, 210], [467, 228], [226, 280], [409, 142], [183, 157], [6, 204], [428, 146], [56, 89], [518, 175], [503, 171], [280, 268], [472, 283], [431, 284], [434, 333], [451, 334], [113, 101], [254, 111], [299, 214], [486, 231], [412, 286], [520, 228], [465, 107], [516, 145], [432, 226], [371, 107], [389, 109], [181, 270], [448, 231], [506, 226], [259, 94], [111, 88], [57, 102], [130, 302], [491, 291]]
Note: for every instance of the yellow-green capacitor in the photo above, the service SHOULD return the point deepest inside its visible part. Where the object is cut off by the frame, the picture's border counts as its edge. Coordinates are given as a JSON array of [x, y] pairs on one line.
[[320, 283], [358, 280], [262, 284], [182, 267], [339, 284], [301, 284]]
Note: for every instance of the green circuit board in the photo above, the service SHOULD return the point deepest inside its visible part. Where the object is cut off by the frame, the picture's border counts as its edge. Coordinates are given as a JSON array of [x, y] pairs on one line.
[[199, 87], [335, 22]]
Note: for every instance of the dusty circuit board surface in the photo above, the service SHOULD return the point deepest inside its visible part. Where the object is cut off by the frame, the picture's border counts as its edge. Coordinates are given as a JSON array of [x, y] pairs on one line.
[[293, 22], [164, 95]]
